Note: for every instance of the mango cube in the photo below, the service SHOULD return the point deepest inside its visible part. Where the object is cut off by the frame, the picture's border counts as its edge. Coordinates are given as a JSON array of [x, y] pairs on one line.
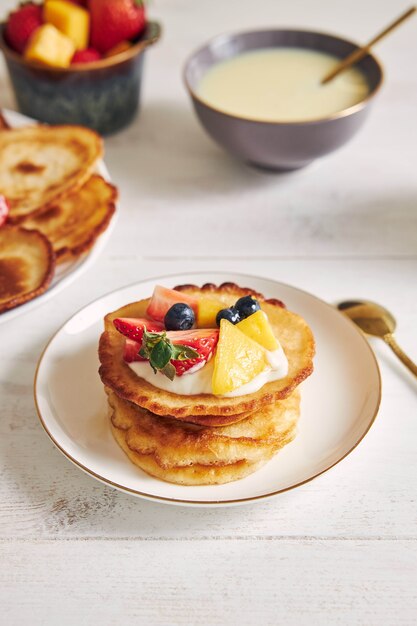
[[49, 46], [258, 328], [208, 307], [238, 359], [70, 19]]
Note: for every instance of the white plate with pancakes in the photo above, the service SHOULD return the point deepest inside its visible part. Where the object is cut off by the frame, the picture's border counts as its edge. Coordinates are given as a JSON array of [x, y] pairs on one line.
[[69, 270], [339, 401]]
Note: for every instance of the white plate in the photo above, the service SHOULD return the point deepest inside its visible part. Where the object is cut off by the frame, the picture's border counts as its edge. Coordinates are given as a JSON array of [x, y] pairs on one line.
[[339, 401], [65, 273]]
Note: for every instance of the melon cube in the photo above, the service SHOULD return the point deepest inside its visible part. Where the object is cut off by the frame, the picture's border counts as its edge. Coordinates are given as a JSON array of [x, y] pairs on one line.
[[70, 19], [49, 46]]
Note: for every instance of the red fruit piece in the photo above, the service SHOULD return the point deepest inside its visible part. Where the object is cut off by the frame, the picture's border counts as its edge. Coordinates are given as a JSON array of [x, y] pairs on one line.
[[131, 351], [133, 327], [204, 341], [88, 55], [115, 20], [21, 24], [4, 210], [163, 299]]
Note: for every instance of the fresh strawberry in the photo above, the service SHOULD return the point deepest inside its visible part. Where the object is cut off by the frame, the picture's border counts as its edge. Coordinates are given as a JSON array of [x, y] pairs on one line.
[[203, 341], [21, 24], [4, 210], [163, 299], [131, 351], [112, 21], [88, 55], [133, 327]]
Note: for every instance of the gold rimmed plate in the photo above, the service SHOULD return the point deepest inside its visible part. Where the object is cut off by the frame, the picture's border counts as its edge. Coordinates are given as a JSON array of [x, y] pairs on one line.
[[339, 401]]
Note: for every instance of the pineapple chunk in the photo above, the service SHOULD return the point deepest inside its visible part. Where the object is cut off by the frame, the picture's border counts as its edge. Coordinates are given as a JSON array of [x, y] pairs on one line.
[[70, 19], [208, 307], [238, 359], [258, 328], [47, 45]]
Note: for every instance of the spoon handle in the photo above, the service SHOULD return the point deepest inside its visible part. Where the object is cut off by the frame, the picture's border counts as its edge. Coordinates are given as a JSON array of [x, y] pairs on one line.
[[390, 340]]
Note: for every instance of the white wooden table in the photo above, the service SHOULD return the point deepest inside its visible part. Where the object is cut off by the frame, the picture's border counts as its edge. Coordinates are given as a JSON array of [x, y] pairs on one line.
[[340, 550]]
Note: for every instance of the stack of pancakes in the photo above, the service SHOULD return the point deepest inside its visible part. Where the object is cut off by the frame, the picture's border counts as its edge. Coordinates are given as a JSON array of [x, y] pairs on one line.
[[205, 439], [58, 205]]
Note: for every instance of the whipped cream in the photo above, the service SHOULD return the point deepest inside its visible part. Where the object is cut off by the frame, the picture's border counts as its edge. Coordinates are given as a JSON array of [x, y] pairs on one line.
[[198, 379]]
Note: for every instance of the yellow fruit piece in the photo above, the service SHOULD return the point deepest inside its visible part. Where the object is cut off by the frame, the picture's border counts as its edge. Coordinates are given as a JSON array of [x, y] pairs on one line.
[[118, 48], [238, 359], [70, 19], [49, 46], [207, 311], [257, 327]]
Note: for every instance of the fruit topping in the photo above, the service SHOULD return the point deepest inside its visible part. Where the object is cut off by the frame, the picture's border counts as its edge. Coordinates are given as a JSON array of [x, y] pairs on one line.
[[247, 306], [113, 21], [208, 307], [133, 327], [230, 314], [179, 317], [4, 210], [163, 299], [21, 24], [238, 359], [89, 55], [257, 327], [185, 350], [159, 350], [50, 47], [202, 341], [72, 20], [131, 351]]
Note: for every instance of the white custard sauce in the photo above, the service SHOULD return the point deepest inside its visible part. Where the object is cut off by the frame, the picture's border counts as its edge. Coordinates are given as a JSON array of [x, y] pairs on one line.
[[281, 85], [198, 379]]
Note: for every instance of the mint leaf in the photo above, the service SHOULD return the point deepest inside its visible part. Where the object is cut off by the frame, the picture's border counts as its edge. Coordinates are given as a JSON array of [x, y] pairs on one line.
[[181, 353], [161, 354]]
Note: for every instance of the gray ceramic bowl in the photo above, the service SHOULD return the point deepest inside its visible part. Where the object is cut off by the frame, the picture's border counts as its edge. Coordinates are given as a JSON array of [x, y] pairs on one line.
[[278, 145], [103, 95]]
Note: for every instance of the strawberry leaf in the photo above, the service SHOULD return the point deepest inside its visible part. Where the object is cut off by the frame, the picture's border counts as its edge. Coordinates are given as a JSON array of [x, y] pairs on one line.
[[159, 351], [161, 354]]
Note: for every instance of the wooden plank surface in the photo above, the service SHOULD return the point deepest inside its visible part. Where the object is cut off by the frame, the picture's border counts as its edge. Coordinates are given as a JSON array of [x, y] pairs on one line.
[[340, 550], [204, 582]]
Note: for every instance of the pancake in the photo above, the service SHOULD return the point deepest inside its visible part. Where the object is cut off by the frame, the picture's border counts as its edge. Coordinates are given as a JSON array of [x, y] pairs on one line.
[[3, 123], [27, 263], [292, 331], [194, 455], [41, 164], [73, 223]]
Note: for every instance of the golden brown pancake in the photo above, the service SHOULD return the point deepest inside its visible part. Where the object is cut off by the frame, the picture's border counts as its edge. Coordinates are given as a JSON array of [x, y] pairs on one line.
[[292, 331], [73, 223], [27, 263], [3, 124], [187, 454], [41, 164]]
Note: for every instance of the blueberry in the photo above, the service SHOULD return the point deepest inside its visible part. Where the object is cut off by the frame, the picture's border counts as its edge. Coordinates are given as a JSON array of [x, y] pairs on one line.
[[228, 314], [246, 306], [179, 317]]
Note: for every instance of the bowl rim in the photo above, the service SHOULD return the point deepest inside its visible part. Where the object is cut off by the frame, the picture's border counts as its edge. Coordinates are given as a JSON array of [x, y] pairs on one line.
[[150, 36], [354, 108]]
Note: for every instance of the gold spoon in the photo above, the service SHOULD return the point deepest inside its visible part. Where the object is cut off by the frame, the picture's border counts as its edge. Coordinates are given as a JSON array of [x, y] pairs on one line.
[[374, 320], [359, 53]]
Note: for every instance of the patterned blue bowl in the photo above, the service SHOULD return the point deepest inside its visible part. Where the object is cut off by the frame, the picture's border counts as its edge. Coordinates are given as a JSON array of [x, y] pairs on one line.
[[103, 95]]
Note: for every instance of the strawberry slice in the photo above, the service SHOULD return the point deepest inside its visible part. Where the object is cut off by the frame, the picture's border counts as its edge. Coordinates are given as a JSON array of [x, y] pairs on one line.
[[133, 327], [203, 341], [4, 210], [131, 351], [163, 299]]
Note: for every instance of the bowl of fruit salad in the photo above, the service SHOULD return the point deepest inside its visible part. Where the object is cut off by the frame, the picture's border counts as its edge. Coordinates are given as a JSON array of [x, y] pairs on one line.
[[78, 62]]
